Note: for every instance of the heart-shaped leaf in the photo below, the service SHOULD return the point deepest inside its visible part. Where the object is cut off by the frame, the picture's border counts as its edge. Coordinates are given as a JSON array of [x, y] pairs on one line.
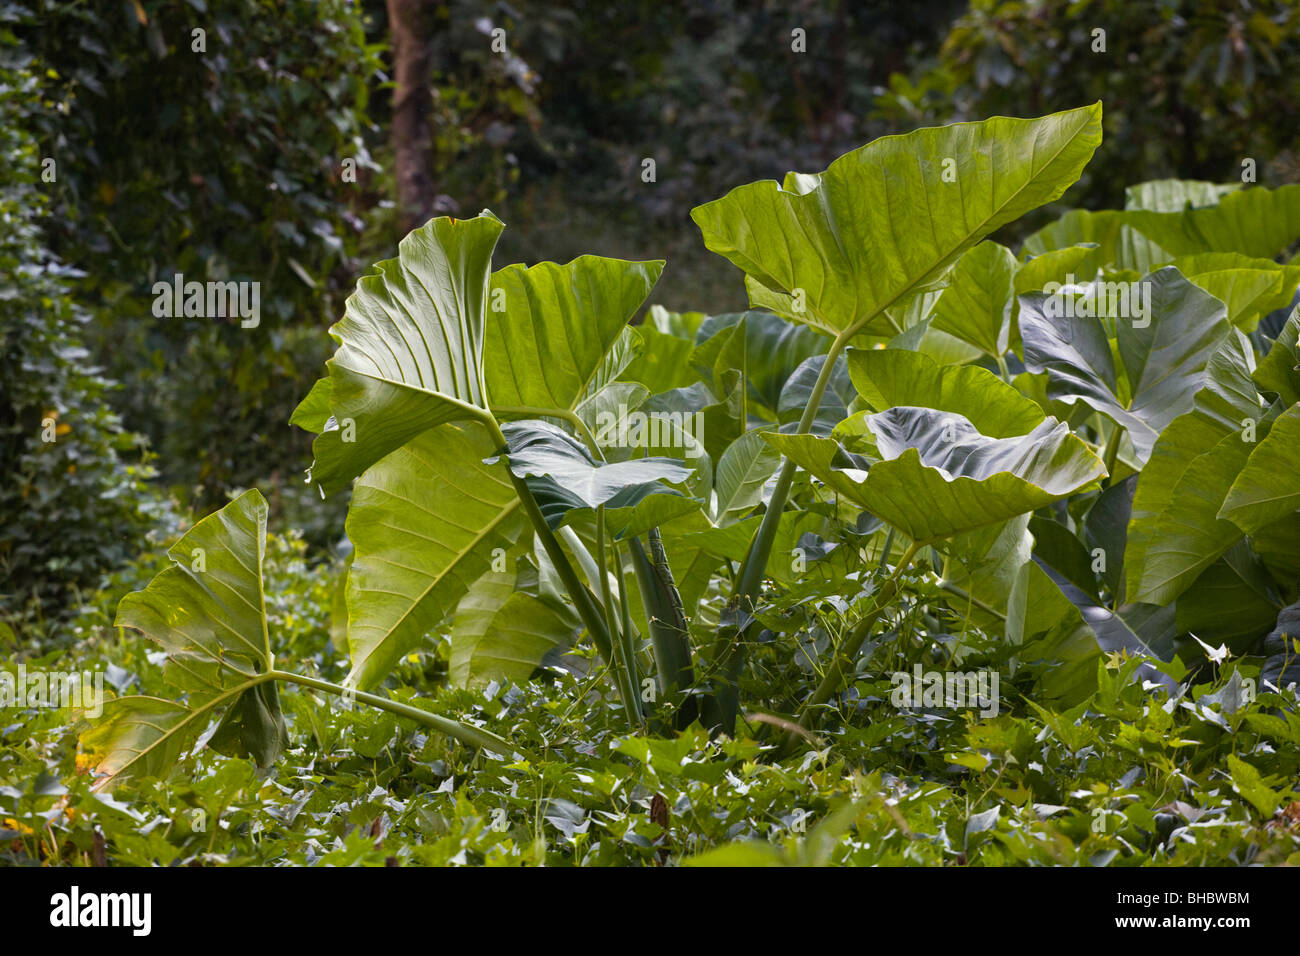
[[1163, 354], [410, 347], [208, 613], [937, 476], [885, 221]]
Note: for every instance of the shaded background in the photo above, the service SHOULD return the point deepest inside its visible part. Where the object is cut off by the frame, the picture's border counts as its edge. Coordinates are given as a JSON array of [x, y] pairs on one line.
[[227, 162]]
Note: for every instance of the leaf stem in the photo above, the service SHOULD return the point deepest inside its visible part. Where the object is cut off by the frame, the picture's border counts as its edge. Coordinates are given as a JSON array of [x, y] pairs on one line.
[[761, 547], [971, 599], [582, 598], [465, 733], [624, 660]]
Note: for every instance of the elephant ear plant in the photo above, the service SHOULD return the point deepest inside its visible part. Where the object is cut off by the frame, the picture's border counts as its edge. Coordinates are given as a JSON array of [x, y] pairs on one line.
[[840, 250], [471, 413]]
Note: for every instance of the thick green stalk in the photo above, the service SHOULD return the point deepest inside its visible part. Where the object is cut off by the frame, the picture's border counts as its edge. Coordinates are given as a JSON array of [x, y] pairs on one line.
[[751, 573], [666, 618], [465, 733], [591, 615], [624, 658], [1112, 452]]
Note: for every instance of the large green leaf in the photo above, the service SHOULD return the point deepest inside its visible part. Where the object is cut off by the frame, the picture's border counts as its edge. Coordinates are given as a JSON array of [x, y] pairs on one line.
[[1268, 487], [938, 476], [1255, 222], [409, 351], [976, 306], [835, 250], [424, 522], [743, 470], [564, 478], [1162, 356], [1063, 266], [1174, 532], [549, 329], [889, 377], [208, 613], [1250, 288]]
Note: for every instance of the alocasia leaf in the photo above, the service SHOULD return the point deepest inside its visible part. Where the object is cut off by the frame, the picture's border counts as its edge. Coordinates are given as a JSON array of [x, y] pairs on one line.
[[1250, 288], [424, 522], [886, 220], [1174, 532], [1162, 355], [937, 476], [208, 613], [976, 306], [743, 469], [1268, 487], [409, 354], [1255, 222], [549, 329]]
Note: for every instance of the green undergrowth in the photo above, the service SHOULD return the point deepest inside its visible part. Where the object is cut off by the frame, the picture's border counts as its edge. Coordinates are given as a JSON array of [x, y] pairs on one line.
[[1125, 778]]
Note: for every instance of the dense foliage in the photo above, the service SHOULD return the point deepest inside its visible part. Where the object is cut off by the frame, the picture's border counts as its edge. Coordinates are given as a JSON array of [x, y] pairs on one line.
[[239, 176], [74, 501], [1215, 73], [968, 535], [1069, 474]]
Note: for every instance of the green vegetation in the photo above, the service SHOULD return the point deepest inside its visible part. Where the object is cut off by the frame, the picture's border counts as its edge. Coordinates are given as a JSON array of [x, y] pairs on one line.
[[969, 540]]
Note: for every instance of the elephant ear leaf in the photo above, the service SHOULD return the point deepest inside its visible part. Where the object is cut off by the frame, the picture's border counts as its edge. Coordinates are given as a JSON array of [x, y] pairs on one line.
[[976, 307], [409, 354], [551, 331], [1268, 487], [424, 522], [937, 476], [885, 221], [1163, 355], [208, 613], [564, 479]]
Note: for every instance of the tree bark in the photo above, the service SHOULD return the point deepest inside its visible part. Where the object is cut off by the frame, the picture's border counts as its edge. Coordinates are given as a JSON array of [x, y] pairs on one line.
[[411, 26]]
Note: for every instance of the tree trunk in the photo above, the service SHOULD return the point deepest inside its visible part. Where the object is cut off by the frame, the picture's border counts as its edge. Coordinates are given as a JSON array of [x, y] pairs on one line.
[[411, 26]]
